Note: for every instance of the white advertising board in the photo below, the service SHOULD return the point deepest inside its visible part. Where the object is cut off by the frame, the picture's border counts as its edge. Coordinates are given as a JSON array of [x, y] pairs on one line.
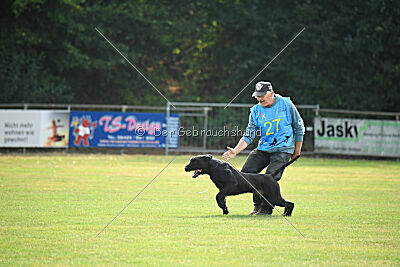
[[357, 137], [34, 128]]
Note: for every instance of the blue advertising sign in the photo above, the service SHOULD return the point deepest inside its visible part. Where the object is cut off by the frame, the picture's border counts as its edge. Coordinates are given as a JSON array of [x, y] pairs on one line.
[[120, 129]]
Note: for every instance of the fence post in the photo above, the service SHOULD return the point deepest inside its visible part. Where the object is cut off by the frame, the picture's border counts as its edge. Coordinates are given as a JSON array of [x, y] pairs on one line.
[[123, 109], [313, 137], [69, 111], [317, 111], [205, 129], [166, 137]]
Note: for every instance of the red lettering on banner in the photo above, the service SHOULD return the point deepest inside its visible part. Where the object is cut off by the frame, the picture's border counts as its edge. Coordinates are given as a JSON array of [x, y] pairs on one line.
[[131, 123], [105, 120], [116, 124], [113, 125]]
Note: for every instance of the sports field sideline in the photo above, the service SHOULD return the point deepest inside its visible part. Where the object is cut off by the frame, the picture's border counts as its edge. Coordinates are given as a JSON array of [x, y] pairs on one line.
[[52, 207]]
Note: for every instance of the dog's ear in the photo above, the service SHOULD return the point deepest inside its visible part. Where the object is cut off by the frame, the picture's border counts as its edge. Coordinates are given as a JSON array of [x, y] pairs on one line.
[[208, 156]]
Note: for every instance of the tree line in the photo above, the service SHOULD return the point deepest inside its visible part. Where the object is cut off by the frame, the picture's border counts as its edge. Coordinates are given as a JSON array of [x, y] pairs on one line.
[[347, 56]]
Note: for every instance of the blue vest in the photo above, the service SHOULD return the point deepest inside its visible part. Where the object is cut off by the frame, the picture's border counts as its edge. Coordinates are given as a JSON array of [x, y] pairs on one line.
[[274, 123]]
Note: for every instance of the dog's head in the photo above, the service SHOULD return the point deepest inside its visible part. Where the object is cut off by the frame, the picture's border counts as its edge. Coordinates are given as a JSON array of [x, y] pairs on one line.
[[199, 165]]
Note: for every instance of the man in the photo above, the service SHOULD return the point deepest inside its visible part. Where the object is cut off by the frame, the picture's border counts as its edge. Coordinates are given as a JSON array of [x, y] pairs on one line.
[[281, 128]]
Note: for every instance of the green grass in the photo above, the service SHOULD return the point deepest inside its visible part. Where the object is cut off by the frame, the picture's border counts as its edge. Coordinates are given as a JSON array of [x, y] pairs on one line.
[[52, 207]]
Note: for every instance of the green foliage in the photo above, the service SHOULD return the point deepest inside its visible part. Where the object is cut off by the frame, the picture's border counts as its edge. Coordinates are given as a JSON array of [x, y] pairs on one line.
[[348, 56]]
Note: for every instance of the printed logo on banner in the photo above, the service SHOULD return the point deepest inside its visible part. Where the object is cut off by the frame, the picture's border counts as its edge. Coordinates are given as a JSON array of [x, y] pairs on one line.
[[343, 129], [357, 136], [83, 129], [130, 123]]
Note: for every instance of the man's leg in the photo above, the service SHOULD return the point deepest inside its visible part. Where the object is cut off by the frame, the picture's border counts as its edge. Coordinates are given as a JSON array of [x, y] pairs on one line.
[[277, 159], [255, 163]]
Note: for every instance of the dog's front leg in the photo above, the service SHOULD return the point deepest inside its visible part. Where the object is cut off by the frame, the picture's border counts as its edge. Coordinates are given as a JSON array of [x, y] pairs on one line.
[[221, 201]]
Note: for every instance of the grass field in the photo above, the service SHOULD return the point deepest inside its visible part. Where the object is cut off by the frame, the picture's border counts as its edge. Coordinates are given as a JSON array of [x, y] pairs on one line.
[[52, 207]]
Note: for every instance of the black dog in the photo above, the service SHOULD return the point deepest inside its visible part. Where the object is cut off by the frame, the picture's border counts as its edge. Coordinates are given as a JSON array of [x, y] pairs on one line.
[[231, 182]]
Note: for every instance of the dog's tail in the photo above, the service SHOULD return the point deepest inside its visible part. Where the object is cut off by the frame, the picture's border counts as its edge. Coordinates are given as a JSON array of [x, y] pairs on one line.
[[284, 166]]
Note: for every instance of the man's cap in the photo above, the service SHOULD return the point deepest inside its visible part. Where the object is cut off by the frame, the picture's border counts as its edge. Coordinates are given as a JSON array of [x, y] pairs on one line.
[[262, 88]]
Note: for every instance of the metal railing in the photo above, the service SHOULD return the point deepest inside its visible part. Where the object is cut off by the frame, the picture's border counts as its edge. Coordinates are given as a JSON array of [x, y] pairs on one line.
[[395, 115]]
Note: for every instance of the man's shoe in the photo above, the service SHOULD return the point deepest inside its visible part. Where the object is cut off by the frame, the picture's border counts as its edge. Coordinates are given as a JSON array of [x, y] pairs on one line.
[[255, 210], [264, 211]]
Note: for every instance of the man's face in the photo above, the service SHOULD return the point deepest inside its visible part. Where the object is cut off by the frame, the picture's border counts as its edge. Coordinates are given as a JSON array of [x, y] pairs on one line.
[[266, 100]]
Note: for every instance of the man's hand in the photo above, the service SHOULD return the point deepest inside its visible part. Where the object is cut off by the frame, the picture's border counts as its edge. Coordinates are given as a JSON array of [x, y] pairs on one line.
[[297, 149], [294, 155], [230, 154]]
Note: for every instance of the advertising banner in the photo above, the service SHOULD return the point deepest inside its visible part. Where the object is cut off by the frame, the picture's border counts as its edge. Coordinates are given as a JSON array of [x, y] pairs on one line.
[[120, 129], [34, 128], [357, 137]]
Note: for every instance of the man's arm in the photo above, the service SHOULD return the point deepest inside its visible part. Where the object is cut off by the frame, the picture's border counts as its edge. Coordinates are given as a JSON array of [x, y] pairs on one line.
[[298, 129]]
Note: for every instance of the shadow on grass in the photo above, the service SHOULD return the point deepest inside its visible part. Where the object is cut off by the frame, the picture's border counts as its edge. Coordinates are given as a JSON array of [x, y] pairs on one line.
[[233, 217]]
